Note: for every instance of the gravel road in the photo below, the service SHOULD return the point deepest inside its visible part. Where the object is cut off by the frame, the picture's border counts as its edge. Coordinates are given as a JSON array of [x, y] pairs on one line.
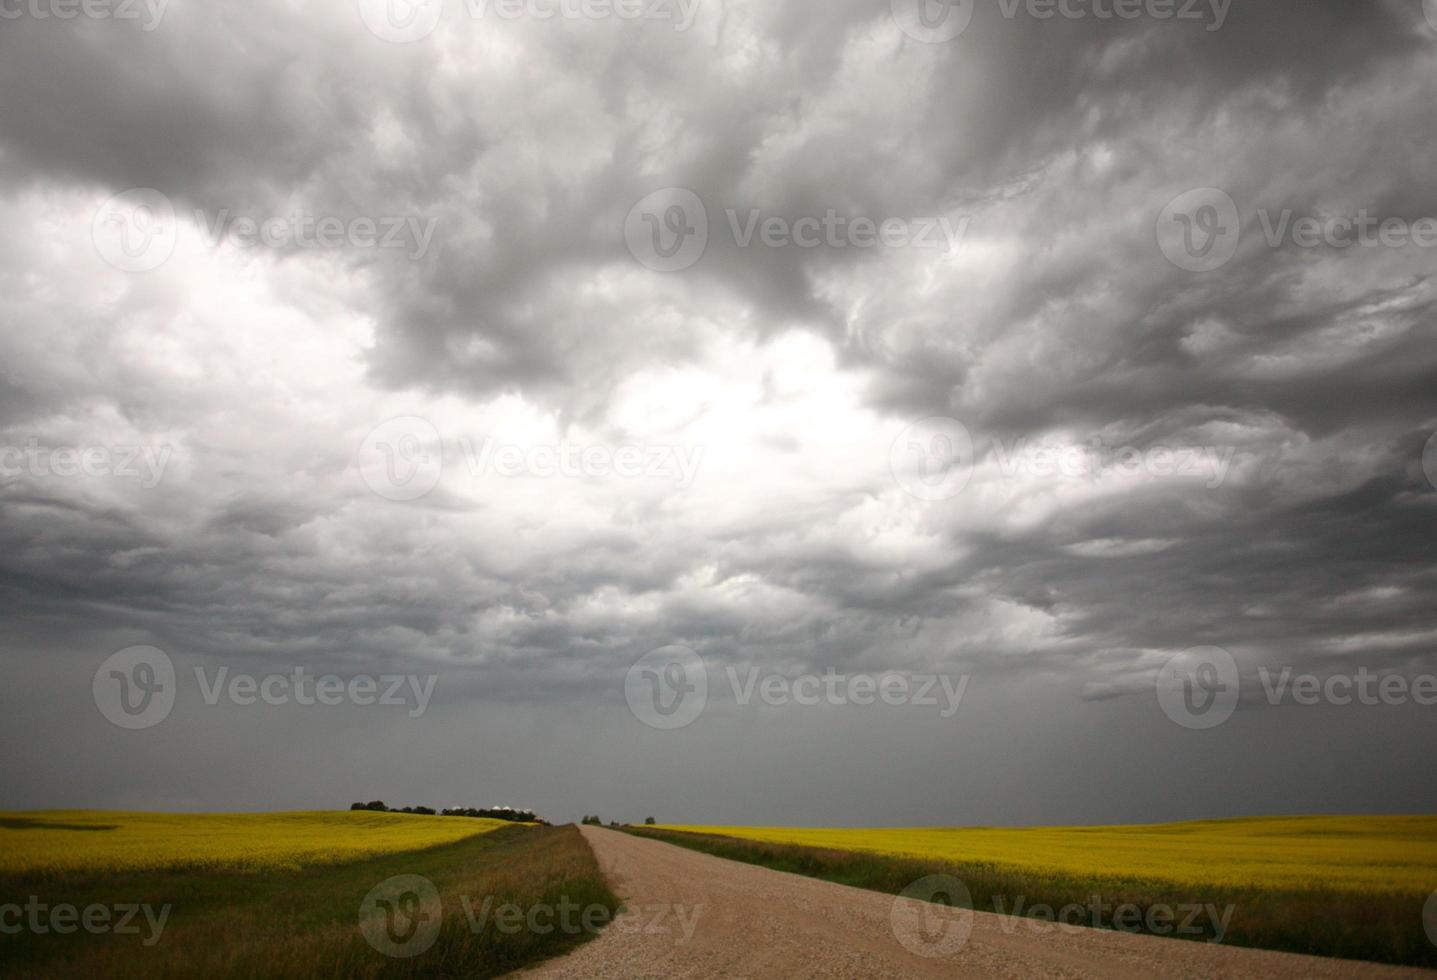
[[691, 915]]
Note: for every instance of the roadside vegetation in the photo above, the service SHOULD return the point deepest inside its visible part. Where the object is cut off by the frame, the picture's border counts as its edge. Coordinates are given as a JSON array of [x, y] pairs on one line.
[[1350, 887], [243, 920]]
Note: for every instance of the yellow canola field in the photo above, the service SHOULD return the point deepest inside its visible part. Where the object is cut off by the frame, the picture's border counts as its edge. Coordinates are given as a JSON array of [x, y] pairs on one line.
[[99, 841], [1358, 854]]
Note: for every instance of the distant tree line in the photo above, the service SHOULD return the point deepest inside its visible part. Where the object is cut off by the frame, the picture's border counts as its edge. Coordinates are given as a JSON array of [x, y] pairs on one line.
[[492, 813], [597, 821]]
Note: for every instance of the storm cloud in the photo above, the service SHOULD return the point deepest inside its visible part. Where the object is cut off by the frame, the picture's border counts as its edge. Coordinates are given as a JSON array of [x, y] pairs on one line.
[[1153, 455]]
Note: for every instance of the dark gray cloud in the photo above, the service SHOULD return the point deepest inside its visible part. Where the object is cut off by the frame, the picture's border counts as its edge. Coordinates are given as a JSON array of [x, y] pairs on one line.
[[1243, 448]]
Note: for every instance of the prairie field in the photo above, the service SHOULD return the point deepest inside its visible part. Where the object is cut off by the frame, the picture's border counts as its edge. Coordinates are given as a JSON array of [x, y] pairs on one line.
[[1349, 887], [61, 842], [1357, 854], [218, 903]]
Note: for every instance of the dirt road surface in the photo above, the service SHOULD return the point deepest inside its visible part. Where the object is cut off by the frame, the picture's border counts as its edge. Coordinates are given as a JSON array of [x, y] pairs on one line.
[[692, 915]]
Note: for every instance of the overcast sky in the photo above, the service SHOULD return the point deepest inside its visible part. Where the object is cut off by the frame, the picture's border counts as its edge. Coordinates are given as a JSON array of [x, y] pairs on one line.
[[495, 347]]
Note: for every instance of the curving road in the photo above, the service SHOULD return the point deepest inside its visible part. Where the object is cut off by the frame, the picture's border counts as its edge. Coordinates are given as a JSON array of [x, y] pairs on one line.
[[692, 915]]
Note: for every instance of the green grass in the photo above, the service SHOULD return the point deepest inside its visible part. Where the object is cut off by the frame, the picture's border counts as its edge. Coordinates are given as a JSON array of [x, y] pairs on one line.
[[1383, 925], [305, 922]]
